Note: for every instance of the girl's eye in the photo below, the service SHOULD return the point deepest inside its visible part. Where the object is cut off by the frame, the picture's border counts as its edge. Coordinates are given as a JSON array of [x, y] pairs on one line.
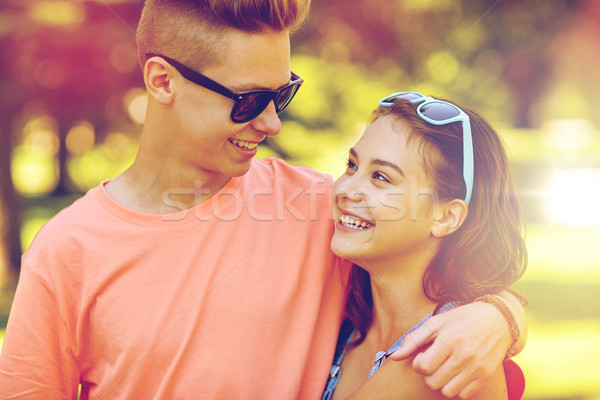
[[350, 165], [380, 177]]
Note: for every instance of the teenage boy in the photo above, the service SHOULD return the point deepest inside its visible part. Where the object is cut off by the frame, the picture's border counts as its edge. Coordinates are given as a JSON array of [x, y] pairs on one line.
[[200, 272]]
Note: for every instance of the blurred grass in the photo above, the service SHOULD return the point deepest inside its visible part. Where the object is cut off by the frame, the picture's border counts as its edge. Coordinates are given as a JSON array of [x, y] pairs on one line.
[[560, 360], [562, 283], [563, 254]]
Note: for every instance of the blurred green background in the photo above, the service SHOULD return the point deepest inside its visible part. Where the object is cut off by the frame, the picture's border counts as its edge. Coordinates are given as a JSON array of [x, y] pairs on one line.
[[72, 103]]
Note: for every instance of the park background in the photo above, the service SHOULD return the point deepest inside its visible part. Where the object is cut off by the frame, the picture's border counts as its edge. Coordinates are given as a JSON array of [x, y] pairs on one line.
[[72, 103]]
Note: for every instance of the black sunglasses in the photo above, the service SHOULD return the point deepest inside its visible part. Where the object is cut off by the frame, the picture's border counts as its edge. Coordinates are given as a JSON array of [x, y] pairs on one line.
[[248, 105]]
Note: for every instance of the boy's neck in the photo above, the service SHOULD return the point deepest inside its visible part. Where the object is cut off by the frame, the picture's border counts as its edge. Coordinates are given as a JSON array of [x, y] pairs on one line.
[[163, 187]]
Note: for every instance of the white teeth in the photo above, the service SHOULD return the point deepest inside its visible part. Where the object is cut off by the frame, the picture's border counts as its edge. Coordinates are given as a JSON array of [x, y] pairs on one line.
[[243, 144], [355, 223]]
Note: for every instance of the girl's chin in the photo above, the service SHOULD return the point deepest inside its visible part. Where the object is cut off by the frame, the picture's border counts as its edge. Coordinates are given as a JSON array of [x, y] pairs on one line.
[[344, 249]]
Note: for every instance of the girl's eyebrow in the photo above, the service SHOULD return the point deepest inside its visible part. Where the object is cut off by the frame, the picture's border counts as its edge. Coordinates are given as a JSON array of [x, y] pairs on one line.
[[385, 163], [382, 163]]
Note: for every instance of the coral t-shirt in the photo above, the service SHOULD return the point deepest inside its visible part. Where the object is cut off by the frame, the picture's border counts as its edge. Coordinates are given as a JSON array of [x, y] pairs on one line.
[[238, 297]]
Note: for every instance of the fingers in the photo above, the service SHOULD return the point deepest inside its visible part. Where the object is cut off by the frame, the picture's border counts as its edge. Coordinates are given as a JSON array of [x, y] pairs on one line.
[[463, 350], [449, 379], [454, 376], [414, 341], [462, 385], [430, 361], [470, 389]]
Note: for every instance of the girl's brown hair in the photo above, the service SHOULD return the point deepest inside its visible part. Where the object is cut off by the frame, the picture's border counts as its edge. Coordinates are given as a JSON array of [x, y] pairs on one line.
[[487, 253]]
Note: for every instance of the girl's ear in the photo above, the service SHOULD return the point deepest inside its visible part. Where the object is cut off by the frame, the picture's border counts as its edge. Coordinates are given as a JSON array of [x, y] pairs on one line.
[[452, 216], [158, 80]]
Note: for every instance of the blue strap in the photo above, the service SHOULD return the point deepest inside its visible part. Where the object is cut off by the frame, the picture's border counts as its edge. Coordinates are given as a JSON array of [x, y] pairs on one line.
[[382, 355], [335, 372]]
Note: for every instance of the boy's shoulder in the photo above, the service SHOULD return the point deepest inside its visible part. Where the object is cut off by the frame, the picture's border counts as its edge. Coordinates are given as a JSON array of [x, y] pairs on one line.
[[80, 213]]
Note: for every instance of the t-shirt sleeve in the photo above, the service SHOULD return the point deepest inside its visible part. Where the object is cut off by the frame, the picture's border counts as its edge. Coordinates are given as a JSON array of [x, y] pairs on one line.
[[36, 360]]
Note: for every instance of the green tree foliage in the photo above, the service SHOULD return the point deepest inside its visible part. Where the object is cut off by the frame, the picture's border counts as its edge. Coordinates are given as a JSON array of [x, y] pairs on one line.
[[70, 62], [491, 53]]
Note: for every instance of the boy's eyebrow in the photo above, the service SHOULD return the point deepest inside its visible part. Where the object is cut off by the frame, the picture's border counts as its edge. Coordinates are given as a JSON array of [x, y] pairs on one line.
[[383, 163]]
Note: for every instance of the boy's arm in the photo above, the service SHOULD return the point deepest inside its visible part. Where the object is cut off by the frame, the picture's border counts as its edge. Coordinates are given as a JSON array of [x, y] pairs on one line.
[[464, 346], [398, 380]]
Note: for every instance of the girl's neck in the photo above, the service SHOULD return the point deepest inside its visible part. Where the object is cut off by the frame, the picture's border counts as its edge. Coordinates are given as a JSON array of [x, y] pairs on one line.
[[397, 307], [399, 301]]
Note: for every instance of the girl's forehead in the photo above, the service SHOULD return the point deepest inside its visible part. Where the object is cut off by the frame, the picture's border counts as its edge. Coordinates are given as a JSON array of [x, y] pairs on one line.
[[387, 139], [384, 136]]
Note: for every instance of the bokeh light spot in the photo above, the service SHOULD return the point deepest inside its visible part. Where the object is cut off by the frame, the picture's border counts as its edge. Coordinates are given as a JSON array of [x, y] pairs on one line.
[[57, 12], [569, 134], [42, 143], [572, 197], [118, 145], [33, 174], [81, 138], [40, 138], [135, 101], [442, 67]]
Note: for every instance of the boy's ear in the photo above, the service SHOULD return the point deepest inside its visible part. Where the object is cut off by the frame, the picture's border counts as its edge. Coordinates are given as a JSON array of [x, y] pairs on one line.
[[158, 80], [452, 216]]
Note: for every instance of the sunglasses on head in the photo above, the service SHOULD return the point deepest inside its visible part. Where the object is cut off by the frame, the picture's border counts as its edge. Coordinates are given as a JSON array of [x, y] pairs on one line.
[[439, 112], [247, 105]]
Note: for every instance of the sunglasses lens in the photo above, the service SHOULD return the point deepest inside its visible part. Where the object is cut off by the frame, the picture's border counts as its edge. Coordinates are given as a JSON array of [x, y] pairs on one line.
[[285, 97], [253, 104], [250, 107], [405, 96], [439, 111]]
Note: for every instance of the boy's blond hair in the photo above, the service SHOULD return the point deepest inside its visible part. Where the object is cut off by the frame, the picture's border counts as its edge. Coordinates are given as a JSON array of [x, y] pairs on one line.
[[191, 30]]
